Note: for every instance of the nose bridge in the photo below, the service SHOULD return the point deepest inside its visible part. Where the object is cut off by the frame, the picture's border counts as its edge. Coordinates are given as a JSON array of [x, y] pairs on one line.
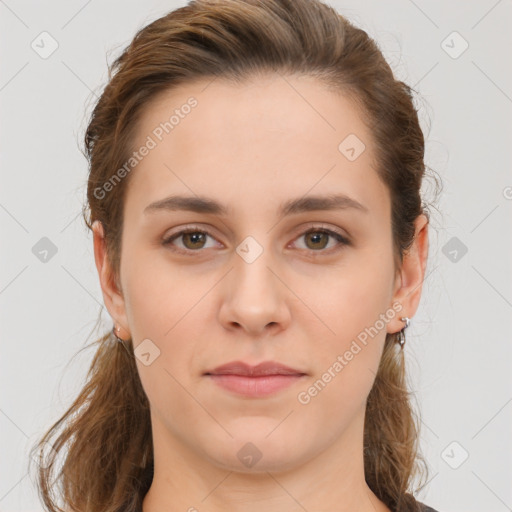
[[254, 298], [252, 275]]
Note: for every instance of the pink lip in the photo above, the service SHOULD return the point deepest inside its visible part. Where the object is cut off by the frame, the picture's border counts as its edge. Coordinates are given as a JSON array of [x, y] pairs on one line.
[[254, 381], [255, 387], [264, 368]]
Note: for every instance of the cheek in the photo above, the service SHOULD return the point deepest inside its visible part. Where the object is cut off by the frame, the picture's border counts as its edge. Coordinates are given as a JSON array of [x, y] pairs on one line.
[[158, 296], [167, 304], [353, 302], [162, 306], [348, 352], [344, 363]]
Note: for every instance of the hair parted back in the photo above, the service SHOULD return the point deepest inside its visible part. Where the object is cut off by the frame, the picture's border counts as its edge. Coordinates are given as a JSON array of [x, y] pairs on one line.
[[105, 434]]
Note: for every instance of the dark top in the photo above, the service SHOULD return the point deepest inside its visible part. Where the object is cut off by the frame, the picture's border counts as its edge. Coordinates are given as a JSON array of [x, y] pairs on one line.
[[426, 508]]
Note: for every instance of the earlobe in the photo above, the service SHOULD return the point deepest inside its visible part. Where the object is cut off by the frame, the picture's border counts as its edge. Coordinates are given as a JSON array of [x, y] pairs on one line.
[[412, 274], [114, 300]]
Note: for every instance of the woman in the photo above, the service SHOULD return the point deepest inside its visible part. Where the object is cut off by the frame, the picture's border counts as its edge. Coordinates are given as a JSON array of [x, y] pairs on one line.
[[261, 243]]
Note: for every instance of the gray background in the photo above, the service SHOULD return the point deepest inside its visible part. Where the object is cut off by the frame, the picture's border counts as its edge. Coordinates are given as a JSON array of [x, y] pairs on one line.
[[458, 346]]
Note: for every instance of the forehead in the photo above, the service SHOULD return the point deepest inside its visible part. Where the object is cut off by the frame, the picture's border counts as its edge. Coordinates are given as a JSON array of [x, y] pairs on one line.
[[270, 137]]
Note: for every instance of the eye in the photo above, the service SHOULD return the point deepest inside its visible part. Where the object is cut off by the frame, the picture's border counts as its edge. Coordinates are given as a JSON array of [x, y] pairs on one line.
[[317, 239], [193, 239]]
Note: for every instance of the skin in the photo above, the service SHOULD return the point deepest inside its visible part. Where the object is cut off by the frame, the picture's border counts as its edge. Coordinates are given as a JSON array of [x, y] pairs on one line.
[[301, 302]]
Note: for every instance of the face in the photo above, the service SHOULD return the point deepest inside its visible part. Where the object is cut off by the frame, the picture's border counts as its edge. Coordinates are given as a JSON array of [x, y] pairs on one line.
[[265, 275]]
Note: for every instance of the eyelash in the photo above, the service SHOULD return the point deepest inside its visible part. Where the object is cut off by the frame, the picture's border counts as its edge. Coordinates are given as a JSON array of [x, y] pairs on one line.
[[343, 241]]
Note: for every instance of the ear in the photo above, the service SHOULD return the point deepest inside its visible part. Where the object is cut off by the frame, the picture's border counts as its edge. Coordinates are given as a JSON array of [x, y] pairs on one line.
[[409, 281], [112, 296]]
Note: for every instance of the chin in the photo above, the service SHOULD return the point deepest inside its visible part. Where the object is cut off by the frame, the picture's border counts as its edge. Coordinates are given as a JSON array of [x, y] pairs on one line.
[[252, 450]]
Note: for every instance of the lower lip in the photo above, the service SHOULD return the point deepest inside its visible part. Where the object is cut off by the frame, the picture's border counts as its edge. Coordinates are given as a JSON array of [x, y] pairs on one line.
[[255, 387]]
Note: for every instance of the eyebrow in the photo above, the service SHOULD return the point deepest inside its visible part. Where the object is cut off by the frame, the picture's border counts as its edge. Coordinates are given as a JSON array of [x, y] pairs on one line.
[[201, 204]]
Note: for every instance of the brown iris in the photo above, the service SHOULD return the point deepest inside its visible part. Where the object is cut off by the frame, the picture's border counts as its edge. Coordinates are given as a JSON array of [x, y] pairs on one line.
[[196, 237], [316, 236]]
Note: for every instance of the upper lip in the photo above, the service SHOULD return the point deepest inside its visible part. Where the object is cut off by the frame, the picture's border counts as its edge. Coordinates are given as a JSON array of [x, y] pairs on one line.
[[264, 368]]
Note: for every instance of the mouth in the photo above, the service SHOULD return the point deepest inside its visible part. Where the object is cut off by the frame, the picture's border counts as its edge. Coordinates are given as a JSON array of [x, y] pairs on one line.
[[261, 380]]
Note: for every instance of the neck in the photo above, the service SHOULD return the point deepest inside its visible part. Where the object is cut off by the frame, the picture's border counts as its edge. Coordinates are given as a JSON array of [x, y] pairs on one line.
[[332, 480]]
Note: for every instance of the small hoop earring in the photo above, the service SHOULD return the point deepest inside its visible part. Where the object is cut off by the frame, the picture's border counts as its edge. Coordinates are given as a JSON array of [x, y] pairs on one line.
[[401, 334], [118, 339]]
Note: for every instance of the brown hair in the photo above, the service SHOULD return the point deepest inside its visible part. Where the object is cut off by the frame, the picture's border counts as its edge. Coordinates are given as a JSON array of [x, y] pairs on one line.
[[108, 463]]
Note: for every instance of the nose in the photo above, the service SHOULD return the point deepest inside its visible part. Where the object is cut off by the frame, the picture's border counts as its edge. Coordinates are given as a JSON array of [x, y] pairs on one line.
[[254, 298]]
